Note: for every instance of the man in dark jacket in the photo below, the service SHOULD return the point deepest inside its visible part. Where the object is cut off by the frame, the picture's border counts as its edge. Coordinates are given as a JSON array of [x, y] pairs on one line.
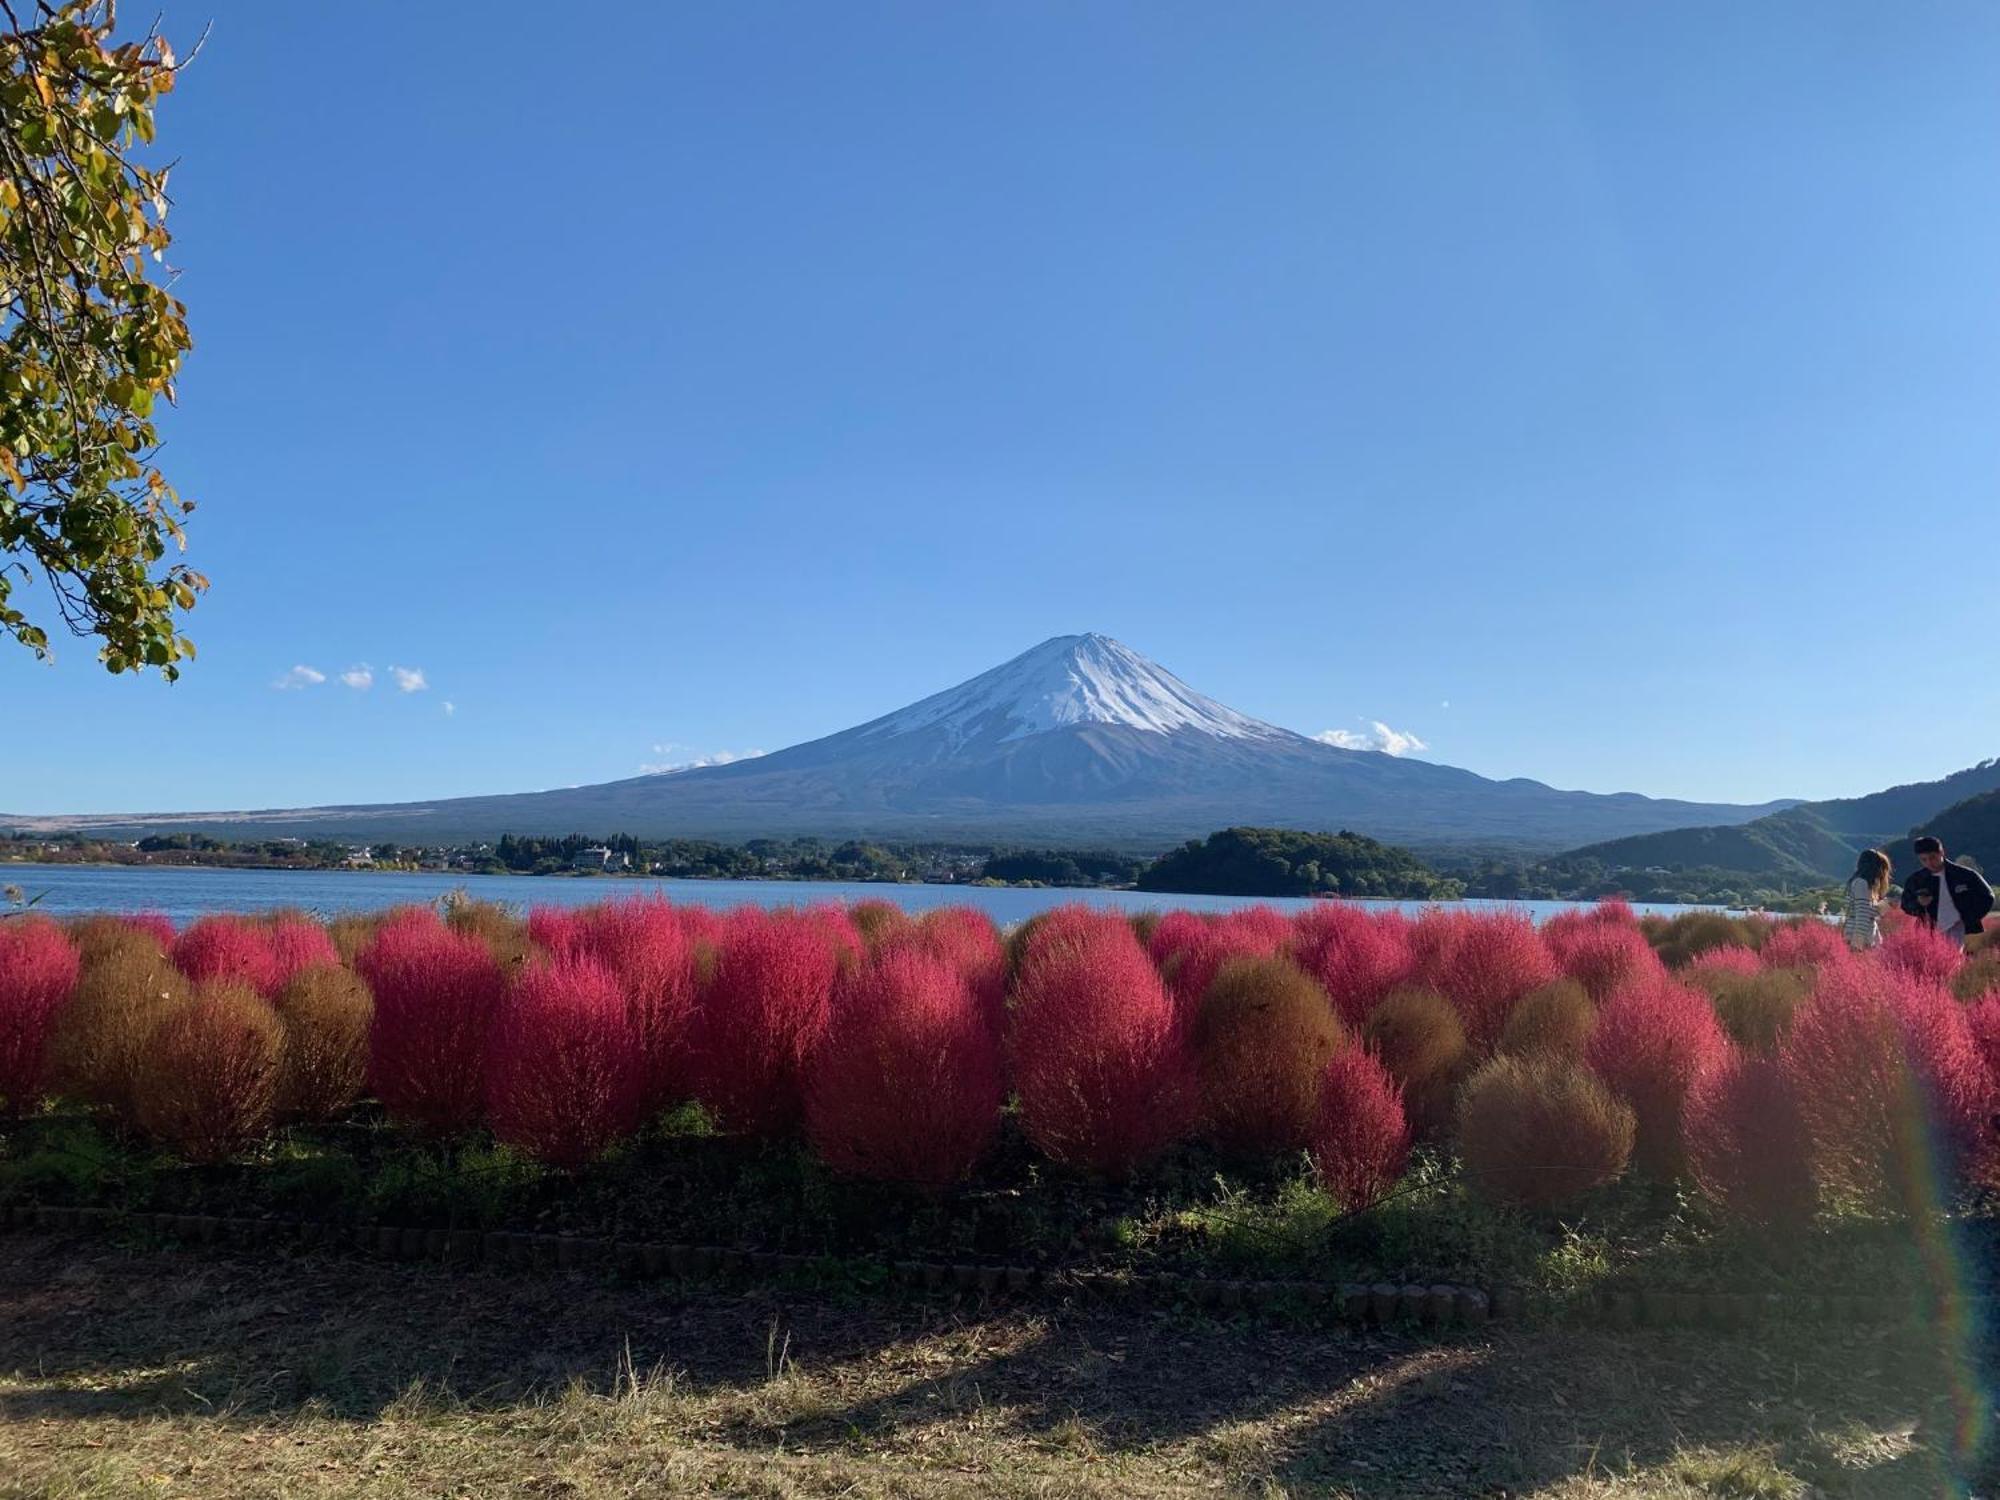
[[1953, 898]]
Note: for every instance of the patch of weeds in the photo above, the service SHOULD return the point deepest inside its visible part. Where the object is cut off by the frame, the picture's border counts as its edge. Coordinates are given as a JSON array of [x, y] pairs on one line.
[[685, 1118], [1577, 1263], [72, 1162], [1742, 1474], [477, 1185], [321, 1183]]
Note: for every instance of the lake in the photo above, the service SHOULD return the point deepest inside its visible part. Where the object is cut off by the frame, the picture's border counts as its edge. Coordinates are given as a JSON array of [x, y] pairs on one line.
[[184, 892]]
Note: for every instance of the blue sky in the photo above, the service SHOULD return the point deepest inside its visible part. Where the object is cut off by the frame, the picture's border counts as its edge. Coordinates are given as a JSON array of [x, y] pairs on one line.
[[714, 376]]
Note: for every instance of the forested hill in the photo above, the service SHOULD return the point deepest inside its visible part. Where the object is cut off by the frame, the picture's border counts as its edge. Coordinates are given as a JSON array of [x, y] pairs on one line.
[[1281, 862], [1814, 841], [1969, 829]]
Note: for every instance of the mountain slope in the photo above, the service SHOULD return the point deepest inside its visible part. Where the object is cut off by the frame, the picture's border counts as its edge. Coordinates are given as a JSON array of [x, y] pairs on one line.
[[1810, 842], [1969, 829], [1078, 741]]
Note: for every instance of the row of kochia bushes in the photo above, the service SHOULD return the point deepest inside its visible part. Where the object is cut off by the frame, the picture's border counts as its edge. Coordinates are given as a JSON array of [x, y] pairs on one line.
[[1763, 1062]]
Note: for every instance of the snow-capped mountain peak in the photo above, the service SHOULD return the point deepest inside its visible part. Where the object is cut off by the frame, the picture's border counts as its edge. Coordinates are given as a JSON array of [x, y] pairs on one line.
[[1071, 680]]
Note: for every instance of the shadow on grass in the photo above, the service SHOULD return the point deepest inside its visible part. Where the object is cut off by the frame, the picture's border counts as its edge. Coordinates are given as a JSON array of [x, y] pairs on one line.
[[90, 1335]]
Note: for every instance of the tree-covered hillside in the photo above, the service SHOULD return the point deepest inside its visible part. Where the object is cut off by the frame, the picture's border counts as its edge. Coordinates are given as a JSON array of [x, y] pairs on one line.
[[1281, 862]]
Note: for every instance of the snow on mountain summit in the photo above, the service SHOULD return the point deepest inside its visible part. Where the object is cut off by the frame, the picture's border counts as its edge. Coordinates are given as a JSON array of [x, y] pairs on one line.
[[1071, 680]]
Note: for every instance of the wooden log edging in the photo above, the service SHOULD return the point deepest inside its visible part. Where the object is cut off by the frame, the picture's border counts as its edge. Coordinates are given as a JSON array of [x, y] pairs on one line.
[[1435, 1308]]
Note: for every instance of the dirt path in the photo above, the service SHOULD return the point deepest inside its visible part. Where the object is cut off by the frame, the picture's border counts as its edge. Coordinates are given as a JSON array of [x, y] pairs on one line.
[[162, 1373]]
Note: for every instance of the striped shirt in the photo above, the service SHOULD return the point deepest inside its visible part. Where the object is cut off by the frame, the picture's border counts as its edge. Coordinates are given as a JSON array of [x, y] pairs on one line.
[[1863, 925]]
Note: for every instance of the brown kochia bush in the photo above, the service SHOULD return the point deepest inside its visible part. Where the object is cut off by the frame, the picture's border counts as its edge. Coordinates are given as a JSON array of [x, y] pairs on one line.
[[1555, 1021], [126, 986], [1262, 1037], [352, 933], [1418, 1037], [324, 1064], [208, 1084], [1692, 934], [1980, 977], [1536, 1132], [504, 934], [1755, 1009]]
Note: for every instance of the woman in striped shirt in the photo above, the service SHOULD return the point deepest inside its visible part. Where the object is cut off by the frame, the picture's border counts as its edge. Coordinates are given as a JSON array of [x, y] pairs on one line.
[[1864, 899]]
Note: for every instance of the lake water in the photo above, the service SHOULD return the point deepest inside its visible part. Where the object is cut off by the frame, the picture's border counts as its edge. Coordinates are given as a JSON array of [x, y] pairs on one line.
[[184, 892]]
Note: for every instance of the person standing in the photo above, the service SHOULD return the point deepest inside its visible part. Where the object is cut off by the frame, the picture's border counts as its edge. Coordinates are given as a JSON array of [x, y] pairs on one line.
[[1863, 926], [1953, 898]]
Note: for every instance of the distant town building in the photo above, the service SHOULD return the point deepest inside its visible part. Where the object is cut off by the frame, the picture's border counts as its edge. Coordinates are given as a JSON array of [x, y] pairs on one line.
[[599, 860]]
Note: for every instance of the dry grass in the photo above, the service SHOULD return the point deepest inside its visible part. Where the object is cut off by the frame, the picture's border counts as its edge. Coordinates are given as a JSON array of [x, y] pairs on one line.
[[167, 1374]]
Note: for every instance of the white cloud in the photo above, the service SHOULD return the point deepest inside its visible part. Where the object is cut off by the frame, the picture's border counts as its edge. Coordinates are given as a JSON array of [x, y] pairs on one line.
[[409, 679], [719, 758], [450, 708], [1377, 736], [359, 678], [300, 677]]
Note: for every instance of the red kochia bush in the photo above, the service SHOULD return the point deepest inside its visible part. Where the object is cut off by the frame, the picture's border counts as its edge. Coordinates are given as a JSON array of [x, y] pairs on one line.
[[1920, 952], [1982, 1019], [1891, 1085], [1356, 957], [1603, 956], [1361, 1142], [229, 950], [1494, 962], [1747, 1146], [564, 1066], [436, 993], [1099, 1058], [906, 1086], [1650, 1044], [646, 948], [1807, 943], [38, 972], [764, 1012], [1192, 965], [555, 929], [297, 944], [967, 941]]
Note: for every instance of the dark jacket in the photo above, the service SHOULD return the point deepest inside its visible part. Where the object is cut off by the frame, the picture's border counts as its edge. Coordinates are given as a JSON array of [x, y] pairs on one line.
[[1969, 893]]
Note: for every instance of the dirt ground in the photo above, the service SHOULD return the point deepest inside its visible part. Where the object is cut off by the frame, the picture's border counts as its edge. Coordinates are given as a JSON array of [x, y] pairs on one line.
[[165, 1373]]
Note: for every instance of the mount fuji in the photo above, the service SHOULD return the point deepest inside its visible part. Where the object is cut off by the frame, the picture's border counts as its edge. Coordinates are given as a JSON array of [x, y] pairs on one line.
[[1079, 741]]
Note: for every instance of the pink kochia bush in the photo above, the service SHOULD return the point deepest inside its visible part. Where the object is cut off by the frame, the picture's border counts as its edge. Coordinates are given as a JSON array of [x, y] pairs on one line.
[[1191, 953], [1100, 1058], [1892, 1087], [967, 941], [1804, 944], [1747, 1147], [436, 994], [1358, 958], [1652, 1041], [264, 956], [297, 944], [38, 971], [565, 1067], [1494, 961], [1604, 956], [765, 1010], [645, 947], [230, 950], [1919, 952], [906, 1086], [1361, 1141]]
